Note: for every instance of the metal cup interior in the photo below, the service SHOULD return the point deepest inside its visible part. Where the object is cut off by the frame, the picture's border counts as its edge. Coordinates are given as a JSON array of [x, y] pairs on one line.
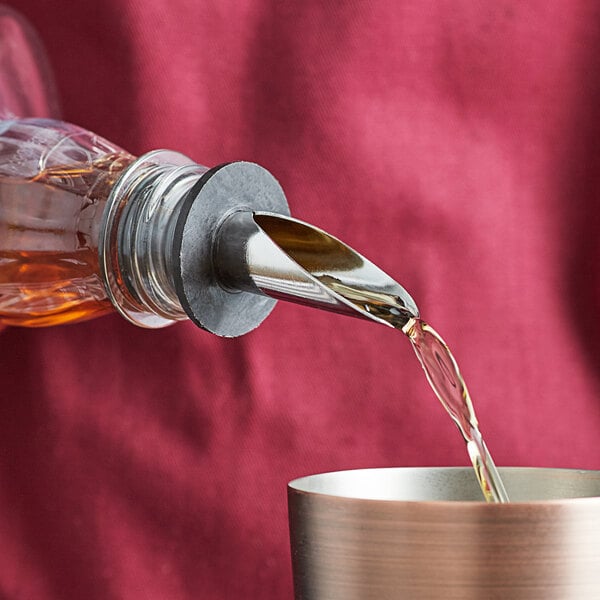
[[425, 533]]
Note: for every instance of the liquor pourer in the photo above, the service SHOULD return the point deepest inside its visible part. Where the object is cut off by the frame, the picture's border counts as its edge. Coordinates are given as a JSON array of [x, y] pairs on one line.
[[238, 251]]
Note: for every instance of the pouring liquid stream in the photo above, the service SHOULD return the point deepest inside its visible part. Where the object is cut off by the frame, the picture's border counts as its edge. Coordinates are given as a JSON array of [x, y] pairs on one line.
[[364, 291], [448, 385]]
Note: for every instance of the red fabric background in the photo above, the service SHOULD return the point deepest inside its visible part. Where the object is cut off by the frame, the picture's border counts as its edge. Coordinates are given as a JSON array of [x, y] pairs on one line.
[[453, 143]]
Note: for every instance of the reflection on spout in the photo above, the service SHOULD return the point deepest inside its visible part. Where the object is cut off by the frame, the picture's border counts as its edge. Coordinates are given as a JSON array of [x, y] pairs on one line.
[[290, 260]]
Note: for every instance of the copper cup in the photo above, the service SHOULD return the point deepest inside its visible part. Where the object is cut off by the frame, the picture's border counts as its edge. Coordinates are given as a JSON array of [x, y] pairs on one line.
[[425, 534]]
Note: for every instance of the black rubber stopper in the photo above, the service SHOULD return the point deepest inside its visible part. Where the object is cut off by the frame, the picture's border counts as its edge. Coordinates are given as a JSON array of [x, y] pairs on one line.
[[220, 191]]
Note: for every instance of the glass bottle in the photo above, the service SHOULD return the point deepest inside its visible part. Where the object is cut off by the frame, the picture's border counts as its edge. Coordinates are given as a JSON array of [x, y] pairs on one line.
[[86, 228]]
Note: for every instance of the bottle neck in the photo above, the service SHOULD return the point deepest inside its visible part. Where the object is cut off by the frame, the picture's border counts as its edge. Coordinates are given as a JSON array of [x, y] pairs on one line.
[[137, 237]]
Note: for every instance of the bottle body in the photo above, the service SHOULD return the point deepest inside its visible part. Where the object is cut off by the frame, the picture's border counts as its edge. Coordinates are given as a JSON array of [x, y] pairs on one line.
[[55, 180]]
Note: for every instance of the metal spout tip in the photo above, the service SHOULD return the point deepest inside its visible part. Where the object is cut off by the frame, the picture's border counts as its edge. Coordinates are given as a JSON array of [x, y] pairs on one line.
[[287, 259]]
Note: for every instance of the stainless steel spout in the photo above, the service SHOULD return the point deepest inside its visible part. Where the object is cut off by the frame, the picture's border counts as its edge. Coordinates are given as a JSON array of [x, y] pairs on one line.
[[290, 260]]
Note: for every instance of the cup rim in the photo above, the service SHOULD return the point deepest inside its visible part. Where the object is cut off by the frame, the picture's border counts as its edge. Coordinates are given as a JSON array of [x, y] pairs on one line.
[[298, 486]]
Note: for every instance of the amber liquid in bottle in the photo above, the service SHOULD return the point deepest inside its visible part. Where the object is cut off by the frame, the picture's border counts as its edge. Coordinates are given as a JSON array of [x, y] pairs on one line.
[[54, 184]]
